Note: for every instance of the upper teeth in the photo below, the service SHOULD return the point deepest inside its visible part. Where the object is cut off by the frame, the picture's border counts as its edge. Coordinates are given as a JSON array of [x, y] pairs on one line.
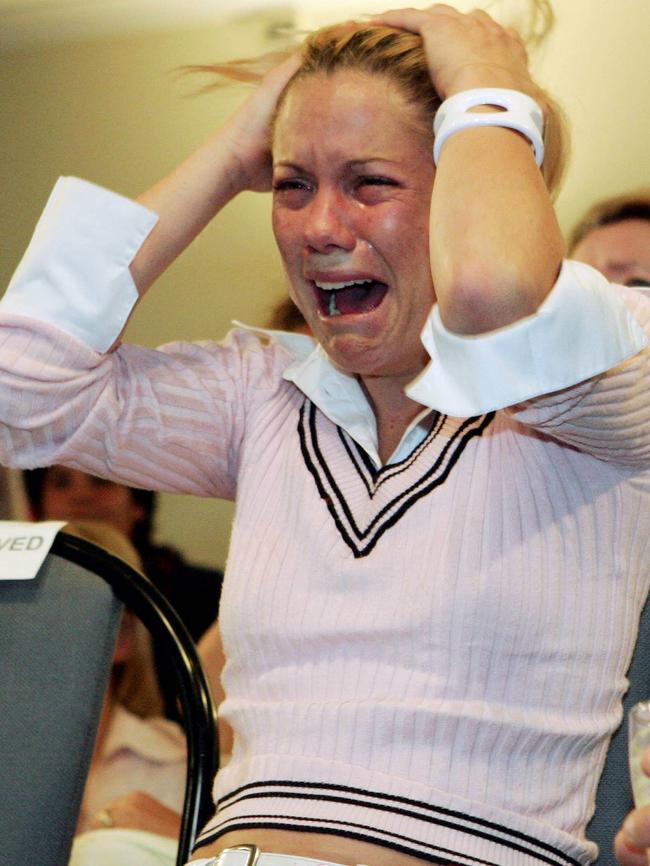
[[333, 287]]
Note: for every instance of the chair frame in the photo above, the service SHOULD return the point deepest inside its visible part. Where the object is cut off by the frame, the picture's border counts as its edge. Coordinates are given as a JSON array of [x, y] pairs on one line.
[[168, 631]]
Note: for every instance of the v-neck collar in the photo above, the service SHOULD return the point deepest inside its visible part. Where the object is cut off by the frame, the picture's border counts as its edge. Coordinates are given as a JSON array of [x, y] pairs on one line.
[[365, 502]]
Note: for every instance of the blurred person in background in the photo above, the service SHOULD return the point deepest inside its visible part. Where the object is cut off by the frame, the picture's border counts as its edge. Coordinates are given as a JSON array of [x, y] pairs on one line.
[[614, 237], [13, 501], [60, 493]]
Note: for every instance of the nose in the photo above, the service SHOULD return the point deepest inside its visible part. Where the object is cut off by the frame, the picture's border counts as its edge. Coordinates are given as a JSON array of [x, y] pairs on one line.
[[329, 222]]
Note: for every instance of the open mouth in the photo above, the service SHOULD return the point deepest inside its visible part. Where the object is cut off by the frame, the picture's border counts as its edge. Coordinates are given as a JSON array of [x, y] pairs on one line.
[[349, 298]]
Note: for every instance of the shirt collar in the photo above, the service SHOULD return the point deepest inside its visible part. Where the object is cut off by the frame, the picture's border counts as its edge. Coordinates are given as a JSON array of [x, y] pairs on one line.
[[337, 394]]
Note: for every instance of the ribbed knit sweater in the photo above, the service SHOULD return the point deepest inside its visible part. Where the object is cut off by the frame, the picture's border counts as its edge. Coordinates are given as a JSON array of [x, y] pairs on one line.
[[429, 655]]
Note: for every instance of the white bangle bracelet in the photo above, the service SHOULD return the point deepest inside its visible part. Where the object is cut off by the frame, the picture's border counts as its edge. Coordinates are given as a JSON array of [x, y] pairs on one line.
[[520, 112]]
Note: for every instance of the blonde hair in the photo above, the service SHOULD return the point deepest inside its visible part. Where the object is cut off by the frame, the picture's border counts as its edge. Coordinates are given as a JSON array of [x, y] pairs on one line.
[[628, 206], [399, 55]]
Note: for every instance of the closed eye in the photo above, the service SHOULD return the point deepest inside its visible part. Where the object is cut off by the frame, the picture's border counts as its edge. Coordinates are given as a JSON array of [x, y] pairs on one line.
[[376, 180], [290, 183]]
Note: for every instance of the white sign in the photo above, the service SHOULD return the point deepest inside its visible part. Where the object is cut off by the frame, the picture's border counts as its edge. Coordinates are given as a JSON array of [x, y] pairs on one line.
[[24, 546]]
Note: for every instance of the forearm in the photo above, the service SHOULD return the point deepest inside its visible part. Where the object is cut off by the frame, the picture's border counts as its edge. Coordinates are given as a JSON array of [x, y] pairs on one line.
[[185, 202], [496, 246]]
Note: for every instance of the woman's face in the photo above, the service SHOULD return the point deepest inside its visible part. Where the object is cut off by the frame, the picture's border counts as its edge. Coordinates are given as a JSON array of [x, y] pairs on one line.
[[352, 178], [69, 494]]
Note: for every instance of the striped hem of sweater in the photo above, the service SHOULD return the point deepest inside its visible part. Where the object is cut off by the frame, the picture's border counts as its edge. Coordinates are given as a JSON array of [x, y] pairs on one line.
[[430, 832]]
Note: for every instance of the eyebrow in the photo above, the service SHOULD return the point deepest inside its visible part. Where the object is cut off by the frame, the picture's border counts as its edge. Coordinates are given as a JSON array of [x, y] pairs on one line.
[[367, 159], [352, 163], [626, 265]]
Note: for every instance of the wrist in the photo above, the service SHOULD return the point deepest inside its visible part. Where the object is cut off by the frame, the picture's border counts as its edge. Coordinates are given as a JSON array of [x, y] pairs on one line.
[[228, 162], [490, 106], [474, 76]]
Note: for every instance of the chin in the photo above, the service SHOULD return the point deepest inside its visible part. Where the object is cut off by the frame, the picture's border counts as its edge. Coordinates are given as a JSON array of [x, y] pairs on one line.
[[350, 353], [358, 358]]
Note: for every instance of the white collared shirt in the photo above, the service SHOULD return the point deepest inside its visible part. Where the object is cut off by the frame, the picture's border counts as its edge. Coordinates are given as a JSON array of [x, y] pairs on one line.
[[339, 395]]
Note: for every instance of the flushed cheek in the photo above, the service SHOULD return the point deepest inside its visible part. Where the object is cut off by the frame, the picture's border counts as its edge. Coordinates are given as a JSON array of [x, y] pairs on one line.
[[391, 225], [284, 233], [395, 236]]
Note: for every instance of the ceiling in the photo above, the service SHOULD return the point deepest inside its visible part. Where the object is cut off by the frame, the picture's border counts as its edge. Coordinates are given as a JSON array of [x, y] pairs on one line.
[[25, 22]]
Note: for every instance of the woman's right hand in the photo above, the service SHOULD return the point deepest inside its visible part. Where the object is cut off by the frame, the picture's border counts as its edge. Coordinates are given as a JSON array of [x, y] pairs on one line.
[[234, 159], [248, 132]]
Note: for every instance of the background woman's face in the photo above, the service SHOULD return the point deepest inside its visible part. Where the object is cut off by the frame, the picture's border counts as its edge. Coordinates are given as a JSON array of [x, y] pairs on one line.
[[69, 494], [619, 250], [353, 174]]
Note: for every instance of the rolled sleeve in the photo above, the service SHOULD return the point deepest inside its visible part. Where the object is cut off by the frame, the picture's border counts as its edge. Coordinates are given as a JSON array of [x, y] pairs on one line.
[[582, 329], [75, 273]]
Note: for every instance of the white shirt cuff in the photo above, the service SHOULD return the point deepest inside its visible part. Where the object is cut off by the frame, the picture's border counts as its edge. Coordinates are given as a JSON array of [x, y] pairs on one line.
[[582, 329], [75, 272]]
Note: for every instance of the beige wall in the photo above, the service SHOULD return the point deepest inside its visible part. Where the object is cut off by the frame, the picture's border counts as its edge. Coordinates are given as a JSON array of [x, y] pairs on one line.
[[112, 111]]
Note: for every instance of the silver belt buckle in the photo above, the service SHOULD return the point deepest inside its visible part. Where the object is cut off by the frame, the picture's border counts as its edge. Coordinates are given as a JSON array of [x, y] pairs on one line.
[[253, 853]]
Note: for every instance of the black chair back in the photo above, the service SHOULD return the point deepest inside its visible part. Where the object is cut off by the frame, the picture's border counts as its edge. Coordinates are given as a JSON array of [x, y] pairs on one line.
[[57, 637]]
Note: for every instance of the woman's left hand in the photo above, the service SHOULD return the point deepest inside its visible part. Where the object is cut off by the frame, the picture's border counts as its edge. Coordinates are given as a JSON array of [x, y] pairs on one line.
[[465, 50], [138, 811], [633, 839]]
